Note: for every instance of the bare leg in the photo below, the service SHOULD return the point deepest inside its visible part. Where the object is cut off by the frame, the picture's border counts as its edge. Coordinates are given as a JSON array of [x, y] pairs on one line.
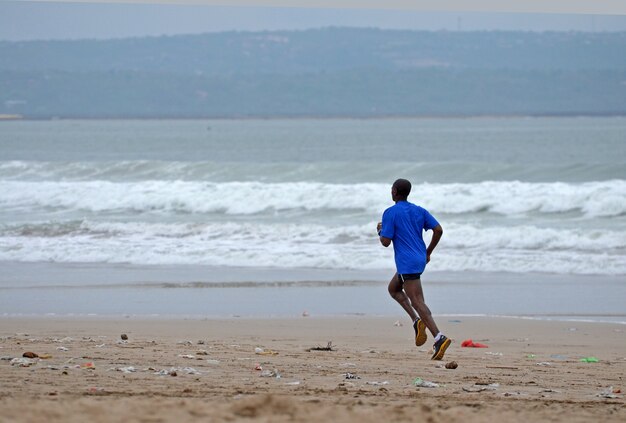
[[396, 292], [414, 291]]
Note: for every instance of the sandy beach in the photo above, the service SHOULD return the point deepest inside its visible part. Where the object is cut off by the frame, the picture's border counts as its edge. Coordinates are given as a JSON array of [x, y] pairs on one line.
[[263, 370]]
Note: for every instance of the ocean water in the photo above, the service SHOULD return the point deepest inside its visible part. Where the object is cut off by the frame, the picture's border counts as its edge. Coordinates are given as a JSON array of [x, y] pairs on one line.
[[522, 196]]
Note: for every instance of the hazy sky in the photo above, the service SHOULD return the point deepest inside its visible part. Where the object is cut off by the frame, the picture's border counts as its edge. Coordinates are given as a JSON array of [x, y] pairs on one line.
[[31, 20]]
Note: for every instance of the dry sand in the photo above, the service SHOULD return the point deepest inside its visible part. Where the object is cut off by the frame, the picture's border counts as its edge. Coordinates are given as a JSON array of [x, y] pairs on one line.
[[504, 382]]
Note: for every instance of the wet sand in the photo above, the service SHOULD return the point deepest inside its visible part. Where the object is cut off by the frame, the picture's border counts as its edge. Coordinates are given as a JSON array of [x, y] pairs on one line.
[[530, 372]]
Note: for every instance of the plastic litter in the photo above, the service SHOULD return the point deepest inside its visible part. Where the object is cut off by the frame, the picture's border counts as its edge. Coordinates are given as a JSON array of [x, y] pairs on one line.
[[608, 393], [89, 366], [374, 383], [261, 351], [481, 388], [186, 356], [129, 369], [468, 343], [544, 363], [23, 362], [424, 383], [531, 356], [499, 354], [62, 349], [213, 362], [589, 360], [559, 356], [397, 323], [270, 373], [351, 376], [294, 383]]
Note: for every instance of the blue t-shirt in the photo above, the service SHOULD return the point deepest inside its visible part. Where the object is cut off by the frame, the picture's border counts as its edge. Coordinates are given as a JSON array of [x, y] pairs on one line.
[[404, 223]]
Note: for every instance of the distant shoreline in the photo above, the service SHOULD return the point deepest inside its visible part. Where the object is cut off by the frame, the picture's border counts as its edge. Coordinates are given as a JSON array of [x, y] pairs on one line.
[[318, 117]]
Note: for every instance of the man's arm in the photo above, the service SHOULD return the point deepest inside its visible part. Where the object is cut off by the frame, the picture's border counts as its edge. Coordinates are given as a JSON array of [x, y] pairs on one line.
[[437, 232], [385, 241]]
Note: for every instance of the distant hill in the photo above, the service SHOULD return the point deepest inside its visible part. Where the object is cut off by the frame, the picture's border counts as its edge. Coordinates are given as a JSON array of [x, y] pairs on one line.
[[324, 72]]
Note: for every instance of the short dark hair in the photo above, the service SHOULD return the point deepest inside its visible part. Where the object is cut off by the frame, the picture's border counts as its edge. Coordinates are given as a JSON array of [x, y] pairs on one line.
[[403, 187]]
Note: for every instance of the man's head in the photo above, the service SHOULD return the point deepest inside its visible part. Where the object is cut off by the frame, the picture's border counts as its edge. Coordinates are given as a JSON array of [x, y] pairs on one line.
[[400, 190]]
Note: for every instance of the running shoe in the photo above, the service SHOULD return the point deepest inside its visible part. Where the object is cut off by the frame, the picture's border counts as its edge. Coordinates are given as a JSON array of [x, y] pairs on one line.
[[440, 347], [420, 332]]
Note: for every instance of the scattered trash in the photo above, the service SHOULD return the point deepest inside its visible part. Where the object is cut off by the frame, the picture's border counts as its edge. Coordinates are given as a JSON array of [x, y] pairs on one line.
[[452, 365], [468, 343], [499, 354], [328, 347], [184, 343], [295, 383], [213, 362], [559, 356], [94, 389], [129, 369], [609, 393], [124, 337], [398, 323], [45, 356], [191, 371], [187, 356], [6, 358], [589, 360], [270, 373], [544, 363], [531, 356], [572, 329], [66, 339], [30, 354], [551, 391], [481, 388], [351, 376], [503, 367], [23, 362], [424, 383], [261, 351], [258, 367], [89, 366], [200, 342], [374, 383], [370, 352]]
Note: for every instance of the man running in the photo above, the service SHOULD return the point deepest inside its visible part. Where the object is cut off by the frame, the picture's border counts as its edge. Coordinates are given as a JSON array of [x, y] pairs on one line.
[[403, 224]]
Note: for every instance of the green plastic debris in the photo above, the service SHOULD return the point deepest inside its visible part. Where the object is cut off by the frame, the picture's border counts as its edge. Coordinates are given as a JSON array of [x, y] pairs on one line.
[[531, 356], [424, 383], [589, 360]]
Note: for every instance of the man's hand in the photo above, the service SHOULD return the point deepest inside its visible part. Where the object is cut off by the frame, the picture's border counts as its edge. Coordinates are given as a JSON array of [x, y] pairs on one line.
[[437, 232], [379, 227]]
